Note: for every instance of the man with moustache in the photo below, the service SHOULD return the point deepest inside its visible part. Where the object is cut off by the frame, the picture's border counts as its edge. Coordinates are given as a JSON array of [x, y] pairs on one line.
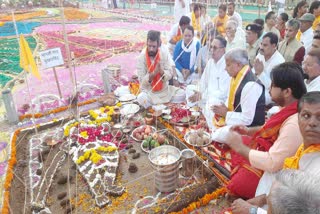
[[267, 58], [253, 33], [290, 48], [311, 67], [215, 80], [154, 71]]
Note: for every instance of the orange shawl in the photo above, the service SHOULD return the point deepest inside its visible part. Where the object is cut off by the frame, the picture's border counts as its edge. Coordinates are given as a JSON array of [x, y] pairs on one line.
[[156, 83], [178, 37], [293, 162]]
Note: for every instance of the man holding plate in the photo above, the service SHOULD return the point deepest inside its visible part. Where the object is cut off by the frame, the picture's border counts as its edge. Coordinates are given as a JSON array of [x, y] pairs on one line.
[[154, 71]]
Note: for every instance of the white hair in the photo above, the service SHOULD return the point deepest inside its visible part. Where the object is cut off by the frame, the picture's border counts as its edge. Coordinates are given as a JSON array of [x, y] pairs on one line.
[[232, 18], [295, 192], [238, 55], [233, 24]]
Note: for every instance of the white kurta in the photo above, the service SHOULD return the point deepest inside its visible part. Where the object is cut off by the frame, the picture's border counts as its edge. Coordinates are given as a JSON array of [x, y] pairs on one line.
[[237, 42], [180, 11], [306, 39], [264, 77], [172, 33], [314, 85], [147, 97], [214, 86], [238, 17]]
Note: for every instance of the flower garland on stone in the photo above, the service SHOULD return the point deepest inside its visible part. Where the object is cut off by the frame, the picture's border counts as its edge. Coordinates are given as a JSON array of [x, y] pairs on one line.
[[103, 114], [11, 163], [53, 111], [202, 201], [93, 155]]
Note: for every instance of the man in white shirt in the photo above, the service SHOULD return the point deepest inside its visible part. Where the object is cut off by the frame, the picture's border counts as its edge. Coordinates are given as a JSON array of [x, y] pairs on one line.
[[246, 102], [267, 58], [214, 82], [311, 66], [204, 53], [232, 13], [306, 30]]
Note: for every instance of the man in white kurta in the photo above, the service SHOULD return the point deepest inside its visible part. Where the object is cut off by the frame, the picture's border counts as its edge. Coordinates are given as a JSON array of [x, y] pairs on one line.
[[267, 58], [214, 82], [154, 71], [234, 14], [306, 30], [181, 8], [311, 67]]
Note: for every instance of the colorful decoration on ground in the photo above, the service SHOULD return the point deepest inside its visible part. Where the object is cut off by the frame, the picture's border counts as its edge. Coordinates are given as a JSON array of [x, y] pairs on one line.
[[9, 58], [19, 16], [75, 14]]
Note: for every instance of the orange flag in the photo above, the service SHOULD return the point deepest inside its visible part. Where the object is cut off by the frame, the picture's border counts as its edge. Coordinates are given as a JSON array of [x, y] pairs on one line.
[[26, 59]]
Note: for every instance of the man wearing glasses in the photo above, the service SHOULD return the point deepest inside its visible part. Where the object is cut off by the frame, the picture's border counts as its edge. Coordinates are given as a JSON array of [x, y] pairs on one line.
[[214, 82]]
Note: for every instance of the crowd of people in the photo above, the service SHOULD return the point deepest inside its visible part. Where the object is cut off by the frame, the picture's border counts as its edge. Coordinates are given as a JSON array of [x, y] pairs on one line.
[[258, 85]]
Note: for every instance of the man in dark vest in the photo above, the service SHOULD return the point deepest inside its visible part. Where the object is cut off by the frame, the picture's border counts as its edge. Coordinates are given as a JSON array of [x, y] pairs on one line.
[[246, 101]]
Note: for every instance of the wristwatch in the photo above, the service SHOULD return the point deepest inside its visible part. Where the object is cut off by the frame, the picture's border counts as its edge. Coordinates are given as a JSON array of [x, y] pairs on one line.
[[253, 210]]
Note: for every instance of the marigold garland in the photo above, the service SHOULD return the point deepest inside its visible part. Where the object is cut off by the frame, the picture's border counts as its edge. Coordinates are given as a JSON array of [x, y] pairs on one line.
[[24, 16], [9, 176], [53, 111], [203, 201], [93, 155]]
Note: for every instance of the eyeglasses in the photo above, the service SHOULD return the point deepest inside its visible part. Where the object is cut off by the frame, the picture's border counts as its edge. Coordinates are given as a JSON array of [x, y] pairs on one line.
[[215, 47]]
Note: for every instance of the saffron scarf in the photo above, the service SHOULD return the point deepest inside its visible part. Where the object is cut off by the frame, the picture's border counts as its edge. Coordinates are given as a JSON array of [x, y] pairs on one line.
[[219, 121], [195, 22], [156, 83], [178, 37], [293, 162], [264, 138], [298, 36]]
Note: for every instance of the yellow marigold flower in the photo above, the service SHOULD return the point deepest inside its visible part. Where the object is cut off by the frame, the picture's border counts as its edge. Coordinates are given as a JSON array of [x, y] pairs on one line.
[[119, 104], [109, 118], [84, 134]]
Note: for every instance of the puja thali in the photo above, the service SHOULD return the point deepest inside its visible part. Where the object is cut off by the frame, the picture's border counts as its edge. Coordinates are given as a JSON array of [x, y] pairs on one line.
[[199, 140]]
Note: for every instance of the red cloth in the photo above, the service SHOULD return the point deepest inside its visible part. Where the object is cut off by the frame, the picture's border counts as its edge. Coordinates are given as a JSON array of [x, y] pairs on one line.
[[245, 178]]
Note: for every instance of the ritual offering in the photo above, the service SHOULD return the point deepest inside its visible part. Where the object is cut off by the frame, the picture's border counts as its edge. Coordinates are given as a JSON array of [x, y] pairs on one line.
[[198, 138], [127, 97], [180, 116], [153, 141], [129, 109], [108, 99], [142, 132]]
